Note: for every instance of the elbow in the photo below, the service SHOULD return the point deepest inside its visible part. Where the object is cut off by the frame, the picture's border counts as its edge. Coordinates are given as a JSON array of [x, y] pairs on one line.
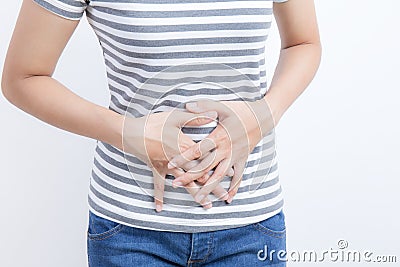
[[10, 85], [315, 48], [8, 91], [6, 87], [318, 44], [318, 49], [314, 43]]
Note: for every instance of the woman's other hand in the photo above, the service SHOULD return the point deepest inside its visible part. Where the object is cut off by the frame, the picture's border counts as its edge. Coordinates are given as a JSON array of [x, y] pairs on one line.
[[241, 126], [156, 138]]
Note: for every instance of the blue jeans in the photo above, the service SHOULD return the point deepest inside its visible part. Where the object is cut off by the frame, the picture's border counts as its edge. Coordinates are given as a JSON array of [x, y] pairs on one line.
[[111, 244]]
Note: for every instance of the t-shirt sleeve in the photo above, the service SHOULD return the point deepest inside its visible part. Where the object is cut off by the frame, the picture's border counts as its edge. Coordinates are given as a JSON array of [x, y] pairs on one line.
[[69, 9]]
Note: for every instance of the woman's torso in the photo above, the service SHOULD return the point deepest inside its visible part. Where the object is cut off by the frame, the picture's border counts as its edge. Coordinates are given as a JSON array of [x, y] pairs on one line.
[[158, 55]]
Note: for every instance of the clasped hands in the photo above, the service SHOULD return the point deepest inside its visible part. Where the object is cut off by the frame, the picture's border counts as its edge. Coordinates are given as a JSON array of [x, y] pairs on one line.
[[157, 140]]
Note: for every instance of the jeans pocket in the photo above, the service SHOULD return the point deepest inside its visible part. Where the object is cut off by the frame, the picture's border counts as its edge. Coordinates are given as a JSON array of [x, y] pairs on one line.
[[274, 226], [100, 228]]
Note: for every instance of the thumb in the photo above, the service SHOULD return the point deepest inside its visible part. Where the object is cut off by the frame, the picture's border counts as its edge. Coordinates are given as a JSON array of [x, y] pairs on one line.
[[192, 119], [200, 106], [209, 105]]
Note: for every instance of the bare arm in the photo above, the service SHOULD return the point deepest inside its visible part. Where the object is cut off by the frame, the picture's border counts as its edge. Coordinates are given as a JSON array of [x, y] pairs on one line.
[[298, 62], [38, 40], [300, 53]]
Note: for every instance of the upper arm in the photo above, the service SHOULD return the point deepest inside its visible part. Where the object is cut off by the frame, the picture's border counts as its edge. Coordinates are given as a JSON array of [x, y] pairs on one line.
[[37, 42], [297, 22]]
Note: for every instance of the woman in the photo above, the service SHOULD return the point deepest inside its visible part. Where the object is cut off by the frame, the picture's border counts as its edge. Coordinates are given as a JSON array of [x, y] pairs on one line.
[[186, 139]]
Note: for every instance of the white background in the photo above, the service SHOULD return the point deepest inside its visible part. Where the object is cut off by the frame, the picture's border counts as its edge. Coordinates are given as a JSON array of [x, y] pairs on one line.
[[338, 146]]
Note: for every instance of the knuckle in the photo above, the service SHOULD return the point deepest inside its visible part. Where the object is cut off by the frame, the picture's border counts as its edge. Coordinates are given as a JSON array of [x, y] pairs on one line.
[[233, 191], [187, 180], [183, 146], [206, 201], [188, 165], [218, 175], [184, 180], [157, 164], [197, 152], [159, 186], [202, 180]]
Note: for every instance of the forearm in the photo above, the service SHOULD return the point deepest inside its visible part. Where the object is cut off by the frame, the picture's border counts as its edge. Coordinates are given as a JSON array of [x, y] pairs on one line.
[[296, 68], [50, 101]]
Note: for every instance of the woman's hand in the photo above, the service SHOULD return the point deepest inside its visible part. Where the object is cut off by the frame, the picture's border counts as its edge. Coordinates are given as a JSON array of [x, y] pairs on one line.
[[241, 126], [156, 138]]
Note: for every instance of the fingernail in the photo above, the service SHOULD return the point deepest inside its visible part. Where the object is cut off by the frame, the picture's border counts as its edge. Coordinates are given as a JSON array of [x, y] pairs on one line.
[[158, 208], [199, 198], [176, 184], [191, 105], [171, 165], [208, 206], [211, 114]]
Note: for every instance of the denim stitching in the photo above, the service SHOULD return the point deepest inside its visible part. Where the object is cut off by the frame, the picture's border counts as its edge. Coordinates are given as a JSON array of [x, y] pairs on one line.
[[106, 234], [277, 234], [210, 248], [91, 224]]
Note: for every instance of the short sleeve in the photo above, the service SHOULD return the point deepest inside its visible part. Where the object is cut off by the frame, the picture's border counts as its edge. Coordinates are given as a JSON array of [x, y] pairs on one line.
[[69, 9]]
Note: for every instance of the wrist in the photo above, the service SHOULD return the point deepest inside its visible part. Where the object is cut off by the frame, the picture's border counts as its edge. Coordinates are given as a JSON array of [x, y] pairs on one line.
[[274, 108], [111, 127], [263, 116]]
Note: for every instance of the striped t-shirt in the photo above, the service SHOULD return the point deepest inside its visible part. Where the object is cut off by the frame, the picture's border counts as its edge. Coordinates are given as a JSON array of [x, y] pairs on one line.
[[160, 54]]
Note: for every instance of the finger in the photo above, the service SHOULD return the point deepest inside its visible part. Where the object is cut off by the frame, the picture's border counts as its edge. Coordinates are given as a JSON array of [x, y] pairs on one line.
[[207, 105], [191, 119], [191, 164], [201, 169], [203, 179], [236, 179], [196, 151], [220, 192], [158, 182], [206, 176], [176, 172], [194, 163], [230, 172], [214, 180], [193, 188]]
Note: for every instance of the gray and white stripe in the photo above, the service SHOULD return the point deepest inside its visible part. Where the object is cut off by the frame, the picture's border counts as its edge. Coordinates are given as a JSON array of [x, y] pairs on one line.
[[149, 47]]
